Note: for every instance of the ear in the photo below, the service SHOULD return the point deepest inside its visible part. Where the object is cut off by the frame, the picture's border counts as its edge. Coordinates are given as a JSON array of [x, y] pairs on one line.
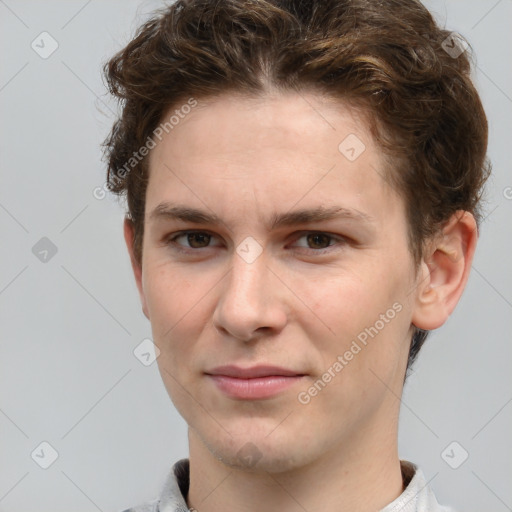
[[444, 271], [129, 235]]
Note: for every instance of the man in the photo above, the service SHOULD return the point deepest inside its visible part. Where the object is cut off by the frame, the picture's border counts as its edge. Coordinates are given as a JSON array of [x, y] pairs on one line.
[[303, 184]]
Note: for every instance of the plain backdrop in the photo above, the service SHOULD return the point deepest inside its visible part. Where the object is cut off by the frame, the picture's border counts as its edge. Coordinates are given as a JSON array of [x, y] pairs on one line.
[[70, 314]]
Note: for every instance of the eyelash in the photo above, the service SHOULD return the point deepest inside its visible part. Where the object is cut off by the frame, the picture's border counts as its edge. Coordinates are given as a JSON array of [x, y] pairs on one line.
[[171, 241]]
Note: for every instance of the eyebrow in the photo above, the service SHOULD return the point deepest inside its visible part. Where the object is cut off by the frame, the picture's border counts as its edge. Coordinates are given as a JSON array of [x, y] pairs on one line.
[[277, 220]]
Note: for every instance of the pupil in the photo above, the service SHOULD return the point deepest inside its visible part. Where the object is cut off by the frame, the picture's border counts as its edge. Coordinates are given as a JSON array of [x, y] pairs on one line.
[[198, 239], [318, 239]]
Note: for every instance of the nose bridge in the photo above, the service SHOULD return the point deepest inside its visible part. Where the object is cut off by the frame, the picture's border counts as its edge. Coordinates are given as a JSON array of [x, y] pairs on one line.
[[245, 283], [247, 303]]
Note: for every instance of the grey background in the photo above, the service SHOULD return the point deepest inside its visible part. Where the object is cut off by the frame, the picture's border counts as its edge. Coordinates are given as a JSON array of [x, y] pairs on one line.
[[69, 325]]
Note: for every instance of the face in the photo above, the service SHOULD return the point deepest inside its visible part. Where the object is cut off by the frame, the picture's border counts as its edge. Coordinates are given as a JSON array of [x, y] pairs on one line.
[[272, 239]]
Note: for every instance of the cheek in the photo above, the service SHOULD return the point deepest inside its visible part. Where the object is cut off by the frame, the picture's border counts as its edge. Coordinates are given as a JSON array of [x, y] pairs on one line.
[[366, 313], [169, 296], [174, 306], [342, 303]]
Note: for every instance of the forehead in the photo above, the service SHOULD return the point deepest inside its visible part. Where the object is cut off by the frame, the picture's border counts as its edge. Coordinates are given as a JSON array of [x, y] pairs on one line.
[[303, 123], [268, 153]]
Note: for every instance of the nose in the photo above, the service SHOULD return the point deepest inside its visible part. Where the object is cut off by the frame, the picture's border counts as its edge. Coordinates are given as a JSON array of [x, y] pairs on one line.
[[252, 302]]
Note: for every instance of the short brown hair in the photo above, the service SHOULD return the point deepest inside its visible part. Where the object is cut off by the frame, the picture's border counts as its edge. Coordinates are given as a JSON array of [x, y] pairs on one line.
[[389, 58]]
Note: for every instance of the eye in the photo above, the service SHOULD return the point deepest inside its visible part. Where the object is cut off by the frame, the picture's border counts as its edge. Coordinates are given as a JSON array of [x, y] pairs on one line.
[[318, 241], [191, 239]]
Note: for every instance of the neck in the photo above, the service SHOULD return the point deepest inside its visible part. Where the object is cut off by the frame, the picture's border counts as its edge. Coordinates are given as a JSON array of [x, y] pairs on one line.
[[359, 476]]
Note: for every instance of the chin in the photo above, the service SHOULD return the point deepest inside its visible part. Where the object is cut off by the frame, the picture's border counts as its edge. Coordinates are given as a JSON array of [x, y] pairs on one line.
[[258, 454]]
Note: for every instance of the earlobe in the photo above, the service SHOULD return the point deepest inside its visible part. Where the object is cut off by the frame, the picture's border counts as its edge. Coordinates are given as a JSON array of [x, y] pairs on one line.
[[129, 235], [444, 271]]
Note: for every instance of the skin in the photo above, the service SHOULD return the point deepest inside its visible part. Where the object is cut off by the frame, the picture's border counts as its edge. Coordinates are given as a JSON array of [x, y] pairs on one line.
[[299, 305]]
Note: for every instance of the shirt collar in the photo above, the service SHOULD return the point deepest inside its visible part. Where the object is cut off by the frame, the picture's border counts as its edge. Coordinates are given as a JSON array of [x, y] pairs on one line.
[[417, 496]]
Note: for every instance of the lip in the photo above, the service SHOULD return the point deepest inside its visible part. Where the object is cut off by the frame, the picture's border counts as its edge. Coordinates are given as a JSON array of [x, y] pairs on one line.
[[255, 383], [256, 388], [253, 372]]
